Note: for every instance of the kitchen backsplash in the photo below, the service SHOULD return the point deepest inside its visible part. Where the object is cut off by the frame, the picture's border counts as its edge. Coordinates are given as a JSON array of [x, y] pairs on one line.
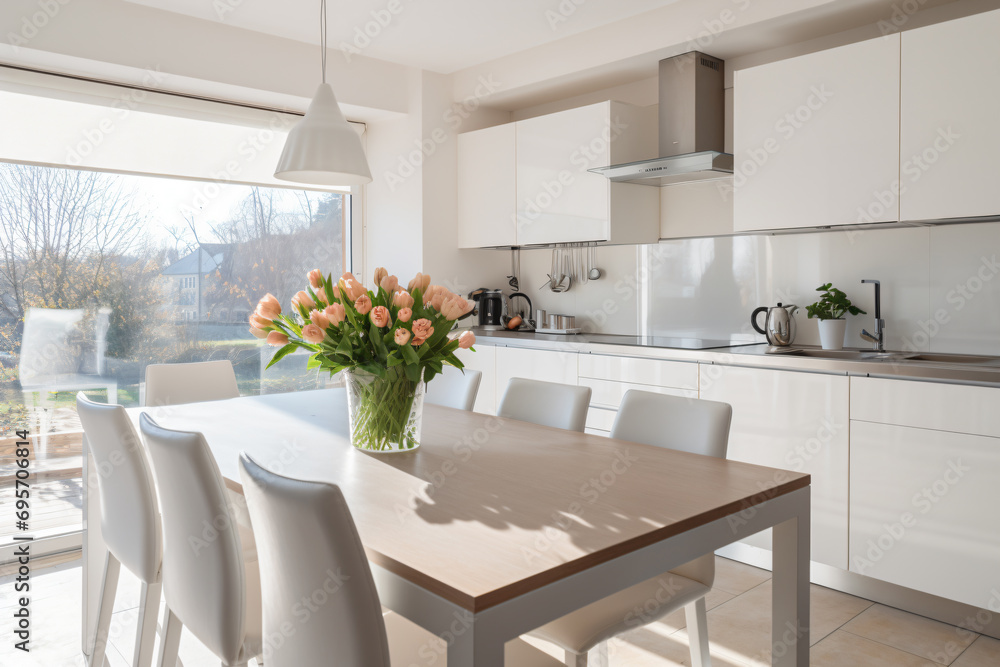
[[940, 285]]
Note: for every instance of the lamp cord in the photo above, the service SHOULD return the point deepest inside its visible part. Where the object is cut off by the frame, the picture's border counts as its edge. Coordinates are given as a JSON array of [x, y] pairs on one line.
[[322, 34]]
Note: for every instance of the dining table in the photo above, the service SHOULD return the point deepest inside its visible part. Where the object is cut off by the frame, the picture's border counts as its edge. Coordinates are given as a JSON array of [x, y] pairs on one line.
[[493, 527]]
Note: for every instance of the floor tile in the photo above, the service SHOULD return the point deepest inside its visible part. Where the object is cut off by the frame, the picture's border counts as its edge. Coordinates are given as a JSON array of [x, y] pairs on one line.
[[842, 649], [678, 620], [741, 627], [652, 646], [984, 652], [734, 577], [932, 640]]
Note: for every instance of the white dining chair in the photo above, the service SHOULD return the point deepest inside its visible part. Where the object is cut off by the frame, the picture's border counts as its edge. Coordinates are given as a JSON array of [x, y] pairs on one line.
[[210, 584], [684, 424], [308, 542], [454, 388], [175, 384], [546, 403], [130, 522]]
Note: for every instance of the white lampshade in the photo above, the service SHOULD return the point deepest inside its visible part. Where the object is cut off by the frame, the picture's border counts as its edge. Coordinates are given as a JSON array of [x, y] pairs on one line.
[[323, 148]]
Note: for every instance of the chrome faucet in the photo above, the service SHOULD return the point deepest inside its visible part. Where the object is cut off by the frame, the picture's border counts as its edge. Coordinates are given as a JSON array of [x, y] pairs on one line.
[[879, 338]]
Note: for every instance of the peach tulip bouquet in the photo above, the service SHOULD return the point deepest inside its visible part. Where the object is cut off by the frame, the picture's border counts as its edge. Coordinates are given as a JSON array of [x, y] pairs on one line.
[[389, 340]]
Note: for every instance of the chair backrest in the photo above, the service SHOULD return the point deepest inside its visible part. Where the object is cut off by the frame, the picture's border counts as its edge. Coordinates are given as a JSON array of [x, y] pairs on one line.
[[130, 517], [684, 424], [454, 388], [307, 541], [204, 582], [546, 403], [51, 344], [174, 384]]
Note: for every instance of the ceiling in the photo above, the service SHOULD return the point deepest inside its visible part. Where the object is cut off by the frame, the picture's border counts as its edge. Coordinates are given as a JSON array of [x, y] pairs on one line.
[[437, 35]]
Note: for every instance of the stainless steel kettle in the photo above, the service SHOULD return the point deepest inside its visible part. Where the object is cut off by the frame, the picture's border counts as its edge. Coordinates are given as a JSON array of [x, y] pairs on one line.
[[779, 325]]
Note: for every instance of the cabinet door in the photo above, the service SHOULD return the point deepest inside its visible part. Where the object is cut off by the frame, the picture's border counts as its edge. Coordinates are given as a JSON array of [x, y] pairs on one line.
[[484, 359], [817, 139], [949, 134], [486, 188], [544, 365], [792, 421], [558, 200], [924, 510]]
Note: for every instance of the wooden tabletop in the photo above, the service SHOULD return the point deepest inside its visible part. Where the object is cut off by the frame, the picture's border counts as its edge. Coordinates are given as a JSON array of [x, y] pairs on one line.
[[486, 508]]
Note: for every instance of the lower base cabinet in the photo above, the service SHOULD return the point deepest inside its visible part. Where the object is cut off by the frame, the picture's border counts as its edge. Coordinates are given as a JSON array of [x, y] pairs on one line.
[[925, 510], [544, 365], [792, 421]]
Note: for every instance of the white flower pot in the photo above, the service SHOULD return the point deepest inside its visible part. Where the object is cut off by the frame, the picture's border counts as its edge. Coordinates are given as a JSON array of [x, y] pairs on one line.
[[831, 333]]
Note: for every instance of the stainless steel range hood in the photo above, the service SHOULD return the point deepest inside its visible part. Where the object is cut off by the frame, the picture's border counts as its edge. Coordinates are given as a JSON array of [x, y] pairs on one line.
[[692, 126]]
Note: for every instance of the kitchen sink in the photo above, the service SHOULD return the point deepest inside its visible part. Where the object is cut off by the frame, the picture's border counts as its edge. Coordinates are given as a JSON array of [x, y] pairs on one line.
[[871, 355], [855, 355], [953, 358]]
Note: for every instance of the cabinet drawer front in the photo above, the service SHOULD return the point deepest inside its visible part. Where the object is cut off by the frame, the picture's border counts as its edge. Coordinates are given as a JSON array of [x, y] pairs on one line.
[[640, 371], [943, 407], [924, 510], [601, 419], [609, 395]]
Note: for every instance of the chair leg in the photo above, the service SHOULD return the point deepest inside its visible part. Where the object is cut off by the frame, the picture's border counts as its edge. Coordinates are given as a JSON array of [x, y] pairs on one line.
[[575, 659], [145, 633], [170, 642], [109, 588], [697, 629]]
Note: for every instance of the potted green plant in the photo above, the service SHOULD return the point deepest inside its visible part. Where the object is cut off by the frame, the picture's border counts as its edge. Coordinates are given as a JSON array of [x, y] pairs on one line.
[[830, 311]]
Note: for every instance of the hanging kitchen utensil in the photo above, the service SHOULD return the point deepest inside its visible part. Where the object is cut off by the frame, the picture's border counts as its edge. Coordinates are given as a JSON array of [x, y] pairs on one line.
[[593, 272]]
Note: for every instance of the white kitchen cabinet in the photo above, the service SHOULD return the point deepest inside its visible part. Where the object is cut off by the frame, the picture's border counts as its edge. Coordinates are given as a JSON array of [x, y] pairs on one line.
[[487, 196], [544, 365], [928, 405], [662, 372], [816, 138], [560, 201], [600, 421], [484, 359], [607, 394], [949, 106], [792, 421], [924, 510]]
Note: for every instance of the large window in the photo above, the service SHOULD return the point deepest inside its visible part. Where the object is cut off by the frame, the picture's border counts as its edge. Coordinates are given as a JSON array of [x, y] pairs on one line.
[[105, 273]]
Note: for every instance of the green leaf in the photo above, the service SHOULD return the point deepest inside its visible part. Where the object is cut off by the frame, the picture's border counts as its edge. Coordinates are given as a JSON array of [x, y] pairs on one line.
[[412, 372], [281, 354], [344, 347], [393, 359], [409, 355]]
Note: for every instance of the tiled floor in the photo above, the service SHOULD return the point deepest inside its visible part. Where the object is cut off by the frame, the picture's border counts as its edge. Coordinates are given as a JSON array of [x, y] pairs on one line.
[[846, 631]]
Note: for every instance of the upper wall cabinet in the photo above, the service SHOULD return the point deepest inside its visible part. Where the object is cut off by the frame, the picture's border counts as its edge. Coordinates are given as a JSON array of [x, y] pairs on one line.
[[527, 183], [950, 105], [486, 188], [560, 201], [816, 139]]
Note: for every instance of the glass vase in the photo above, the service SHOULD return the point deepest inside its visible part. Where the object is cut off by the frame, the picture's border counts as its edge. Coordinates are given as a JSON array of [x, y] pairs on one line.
[[385, 412]]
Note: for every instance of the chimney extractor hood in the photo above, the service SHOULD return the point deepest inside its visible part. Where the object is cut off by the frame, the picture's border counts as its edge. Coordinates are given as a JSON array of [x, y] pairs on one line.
[[692, 126]]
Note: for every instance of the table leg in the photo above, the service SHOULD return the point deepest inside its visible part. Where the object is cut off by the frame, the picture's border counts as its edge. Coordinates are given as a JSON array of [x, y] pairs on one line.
[[468, 650], [790, 592]]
